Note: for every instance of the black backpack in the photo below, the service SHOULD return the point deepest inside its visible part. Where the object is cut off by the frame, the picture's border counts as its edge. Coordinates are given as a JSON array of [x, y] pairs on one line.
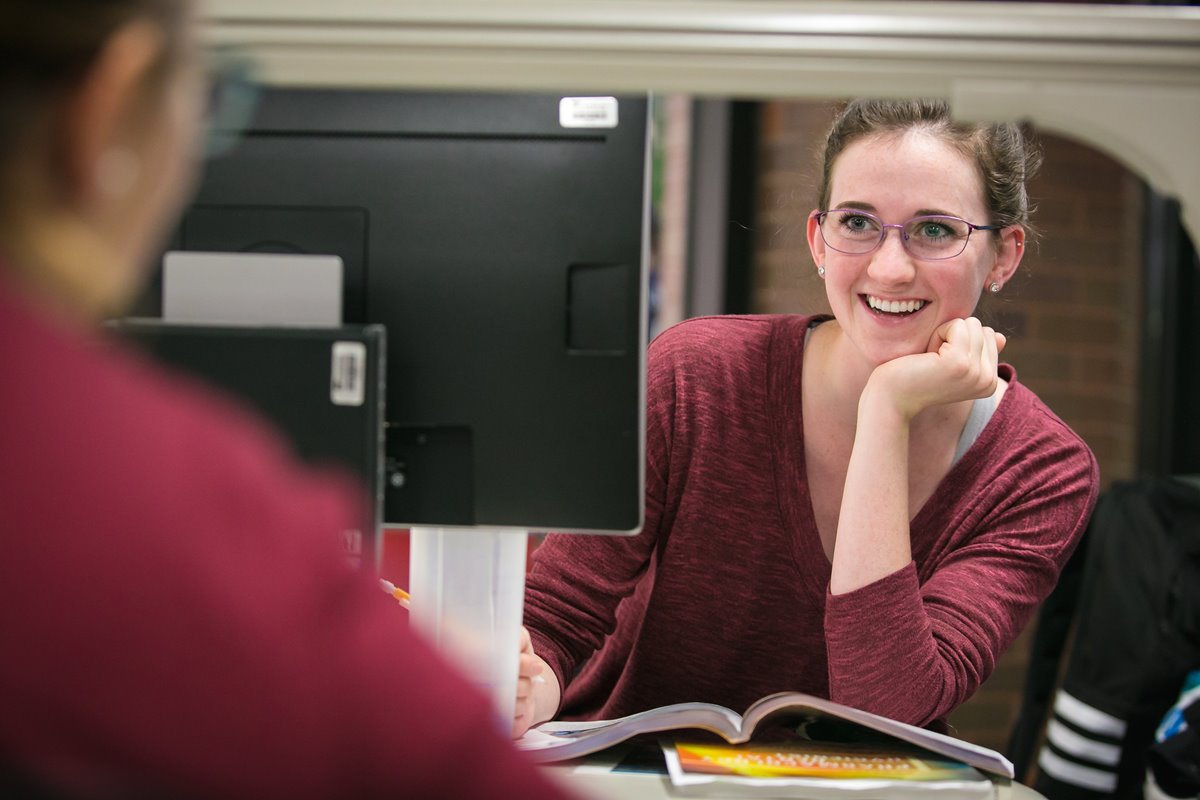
[[1129, 603]]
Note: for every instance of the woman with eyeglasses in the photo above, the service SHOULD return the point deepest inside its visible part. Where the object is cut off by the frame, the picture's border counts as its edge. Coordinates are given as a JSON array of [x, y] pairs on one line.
[[866, 507], [178, 617]]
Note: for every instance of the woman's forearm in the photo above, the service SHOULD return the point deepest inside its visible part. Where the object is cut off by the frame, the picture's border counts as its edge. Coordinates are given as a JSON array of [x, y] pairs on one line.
[[872, 534]]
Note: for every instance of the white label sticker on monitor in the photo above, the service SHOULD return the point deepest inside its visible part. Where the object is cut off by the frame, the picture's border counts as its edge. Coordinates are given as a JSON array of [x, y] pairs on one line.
[[587, 112], [348, 375]]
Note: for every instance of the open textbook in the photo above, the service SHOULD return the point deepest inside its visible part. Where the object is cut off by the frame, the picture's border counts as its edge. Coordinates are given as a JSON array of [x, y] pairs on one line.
[[807, 716]]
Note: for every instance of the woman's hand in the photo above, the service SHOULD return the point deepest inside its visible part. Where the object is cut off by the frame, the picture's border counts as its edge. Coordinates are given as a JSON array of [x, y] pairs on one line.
[[960, 363], [537, 689]]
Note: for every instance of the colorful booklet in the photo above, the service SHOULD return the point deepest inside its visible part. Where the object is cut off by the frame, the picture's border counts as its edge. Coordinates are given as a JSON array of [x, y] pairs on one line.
[[815, 770], [801, 715]]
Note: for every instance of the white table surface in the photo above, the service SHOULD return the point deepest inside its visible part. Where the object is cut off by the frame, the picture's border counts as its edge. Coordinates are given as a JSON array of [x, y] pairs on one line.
[[599, 785], [627, 786]]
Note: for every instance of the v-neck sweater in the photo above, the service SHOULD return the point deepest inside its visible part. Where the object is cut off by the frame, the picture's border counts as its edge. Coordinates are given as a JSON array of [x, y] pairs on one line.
[[723, 596]]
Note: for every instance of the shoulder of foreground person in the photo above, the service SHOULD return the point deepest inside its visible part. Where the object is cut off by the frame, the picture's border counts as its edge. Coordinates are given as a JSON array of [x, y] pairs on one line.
[[181, 617]]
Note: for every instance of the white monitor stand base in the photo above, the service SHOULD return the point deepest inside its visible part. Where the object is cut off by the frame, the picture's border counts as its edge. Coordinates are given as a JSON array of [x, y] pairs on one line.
[[468, 591]]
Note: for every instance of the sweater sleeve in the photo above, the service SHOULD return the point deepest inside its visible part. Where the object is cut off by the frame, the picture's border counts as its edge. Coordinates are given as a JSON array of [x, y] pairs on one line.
[[914, 645]]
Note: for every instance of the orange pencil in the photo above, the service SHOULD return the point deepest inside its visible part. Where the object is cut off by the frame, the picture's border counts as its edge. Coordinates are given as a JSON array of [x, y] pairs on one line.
[[395, 591], [404, 597]]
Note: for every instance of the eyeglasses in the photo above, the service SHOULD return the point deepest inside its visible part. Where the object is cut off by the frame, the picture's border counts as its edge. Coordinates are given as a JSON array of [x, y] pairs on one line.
[[232, 99], [930, 238]]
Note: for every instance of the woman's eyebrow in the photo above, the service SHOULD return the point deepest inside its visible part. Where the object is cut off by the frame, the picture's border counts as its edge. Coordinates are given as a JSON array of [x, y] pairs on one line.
[[920, 212]]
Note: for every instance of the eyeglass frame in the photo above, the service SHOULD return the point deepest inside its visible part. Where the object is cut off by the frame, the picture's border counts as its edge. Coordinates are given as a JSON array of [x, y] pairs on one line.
[[233, 96], [820, 216]]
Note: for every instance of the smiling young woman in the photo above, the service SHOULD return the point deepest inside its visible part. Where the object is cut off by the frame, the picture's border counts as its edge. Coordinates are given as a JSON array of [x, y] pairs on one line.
[[867, 507]]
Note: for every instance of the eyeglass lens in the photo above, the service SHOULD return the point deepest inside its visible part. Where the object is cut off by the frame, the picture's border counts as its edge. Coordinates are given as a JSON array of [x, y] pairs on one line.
[[233, 98], [856, 232]]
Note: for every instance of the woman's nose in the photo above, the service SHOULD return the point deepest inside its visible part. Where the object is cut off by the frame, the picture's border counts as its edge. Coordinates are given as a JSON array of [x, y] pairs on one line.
[[891, 262]]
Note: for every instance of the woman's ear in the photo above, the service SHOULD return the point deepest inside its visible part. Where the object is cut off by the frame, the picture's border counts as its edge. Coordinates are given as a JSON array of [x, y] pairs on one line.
[[816, 244], [99, 151], [1008, 259]]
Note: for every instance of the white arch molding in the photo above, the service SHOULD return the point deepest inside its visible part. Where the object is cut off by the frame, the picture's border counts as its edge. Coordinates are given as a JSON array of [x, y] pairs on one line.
[[1125, 79]]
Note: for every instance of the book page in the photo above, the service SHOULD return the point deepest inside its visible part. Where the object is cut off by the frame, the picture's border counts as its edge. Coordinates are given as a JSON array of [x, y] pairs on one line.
[[818, 708], [554, 741]]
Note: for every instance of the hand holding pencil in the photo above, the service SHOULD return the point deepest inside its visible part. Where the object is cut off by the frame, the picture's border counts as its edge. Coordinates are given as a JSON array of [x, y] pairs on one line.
[[537, 698]]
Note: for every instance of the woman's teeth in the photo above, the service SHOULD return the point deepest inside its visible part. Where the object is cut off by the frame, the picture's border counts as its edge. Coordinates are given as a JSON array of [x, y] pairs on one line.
[[894, 306]]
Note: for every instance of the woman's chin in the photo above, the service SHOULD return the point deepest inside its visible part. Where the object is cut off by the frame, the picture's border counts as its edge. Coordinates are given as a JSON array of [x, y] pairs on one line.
[[883, 352]]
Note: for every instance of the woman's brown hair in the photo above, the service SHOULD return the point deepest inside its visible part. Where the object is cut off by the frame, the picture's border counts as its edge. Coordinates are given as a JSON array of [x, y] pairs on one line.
[[46, 47], [1004, 158]]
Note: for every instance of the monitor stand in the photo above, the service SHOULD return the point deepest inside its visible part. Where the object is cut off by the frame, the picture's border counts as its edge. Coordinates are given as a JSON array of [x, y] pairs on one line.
[[468, 591]]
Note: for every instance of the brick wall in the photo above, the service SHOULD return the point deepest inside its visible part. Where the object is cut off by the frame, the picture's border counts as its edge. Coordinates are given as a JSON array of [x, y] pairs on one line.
[[1072, 314], [673, 122]]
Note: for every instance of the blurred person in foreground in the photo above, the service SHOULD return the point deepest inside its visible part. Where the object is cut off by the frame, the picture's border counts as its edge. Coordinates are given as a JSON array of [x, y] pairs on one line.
[[178, 617]]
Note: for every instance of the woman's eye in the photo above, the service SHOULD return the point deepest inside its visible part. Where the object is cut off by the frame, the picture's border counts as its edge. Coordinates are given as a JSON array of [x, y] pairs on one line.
[[856, 223], [932, 229]]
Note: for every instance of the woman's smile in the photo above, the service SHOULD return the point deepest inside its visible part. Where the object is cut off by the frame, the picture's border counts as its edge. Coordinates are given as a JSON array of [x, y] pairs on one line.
[[893, 307]]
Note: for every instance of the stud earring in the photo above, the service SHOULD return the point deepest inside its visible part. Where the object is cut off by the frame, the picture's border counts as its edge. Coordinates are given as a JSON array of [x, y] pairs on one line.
[[821, 270], [994, 288]]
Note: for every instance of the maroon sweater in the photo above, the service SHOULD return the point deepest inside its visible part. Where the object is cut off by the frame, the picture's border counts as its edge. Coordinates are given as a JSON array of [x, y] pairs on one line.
[[177, 616], [723, 597]]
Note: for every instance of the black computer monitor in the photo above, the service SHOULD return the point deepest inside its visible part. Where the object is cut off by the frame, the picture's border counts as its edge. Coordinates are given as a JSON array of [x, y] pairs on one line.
[[501, 239], [321, 387]]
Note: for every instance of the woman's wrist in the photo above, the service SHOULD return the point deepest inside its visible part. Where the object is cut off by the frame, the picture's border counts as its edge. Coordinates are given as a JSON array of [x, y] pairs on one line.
[[879, 408]]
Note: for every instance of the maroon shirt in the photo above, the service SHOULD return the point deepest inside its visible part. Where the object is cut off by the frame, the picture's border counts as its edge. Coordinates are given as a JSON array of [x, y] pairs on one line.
[[723, 597], [177, 616]]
